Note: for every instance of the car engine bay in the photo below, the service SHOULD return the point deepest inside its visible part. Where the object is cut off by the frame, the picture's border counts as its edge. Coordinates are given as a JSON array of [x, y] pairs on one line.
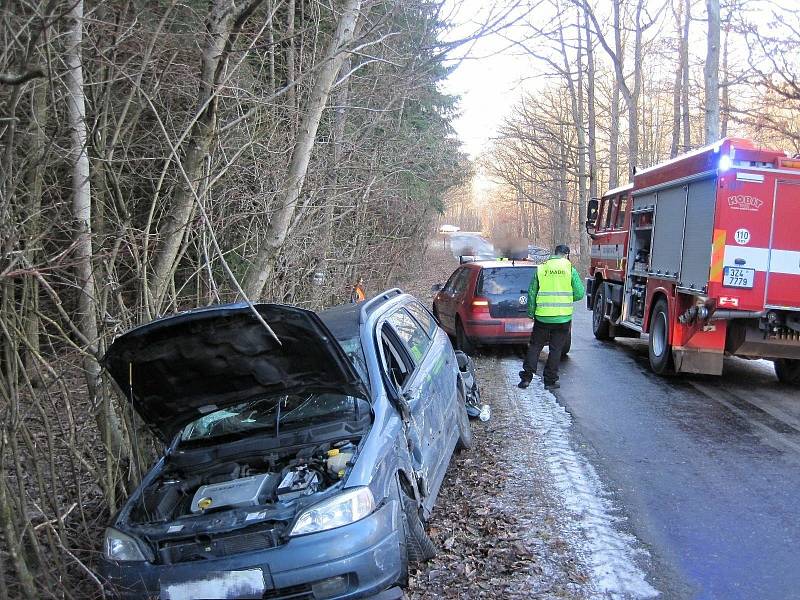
[[185, 491]]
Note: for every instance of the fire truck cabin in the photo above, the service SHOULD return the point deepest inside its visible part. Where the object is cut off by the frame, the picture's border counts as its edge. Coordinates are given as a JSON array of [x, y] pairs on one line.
[[703, 254]]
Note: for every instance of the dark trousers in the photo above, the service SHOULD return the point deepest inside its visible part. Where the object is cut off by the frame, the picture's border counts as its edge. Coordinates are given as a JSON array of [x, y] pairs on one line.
[[553, 334]]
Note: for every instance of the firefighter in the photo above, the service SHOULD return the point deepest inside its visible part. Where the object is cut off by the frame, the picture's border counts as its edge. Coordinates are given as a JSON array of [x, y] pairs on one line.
[[553, 290]]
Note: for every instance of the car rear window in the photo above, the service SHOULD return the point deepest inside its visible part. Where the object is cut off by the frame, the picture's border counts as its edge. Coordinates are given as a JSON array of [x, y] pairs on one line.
[[501, 281]]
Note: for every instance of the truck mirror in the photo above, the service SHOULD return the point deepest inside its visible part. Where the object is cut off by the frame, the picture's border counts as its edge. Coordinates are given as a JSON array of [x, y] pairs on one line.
[[591, 212]]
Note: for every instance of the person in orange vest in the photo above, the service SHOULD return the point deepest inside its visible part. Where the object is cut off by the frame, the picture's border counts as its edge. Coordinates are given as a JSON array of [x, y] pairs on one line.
[[357, 294]]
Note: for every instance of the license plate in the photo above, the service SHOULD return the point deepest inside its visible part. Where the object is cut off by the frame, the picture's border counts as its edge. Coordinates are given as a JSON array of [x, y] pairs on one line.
[[519, 326], [217, 584], [738, 277]]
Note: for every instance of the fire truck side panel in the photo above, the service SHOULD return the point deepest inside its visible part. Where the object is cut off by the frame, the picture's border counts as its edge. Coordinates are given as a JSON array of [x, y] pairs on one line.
[[698, 234], [783, 283], [665, 260], [741, 240]]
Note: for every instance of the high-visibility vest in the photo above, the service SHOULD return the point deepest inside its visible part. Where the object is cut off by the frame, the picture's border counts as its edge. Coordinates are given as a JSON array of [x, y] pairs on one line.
[[554, 297]]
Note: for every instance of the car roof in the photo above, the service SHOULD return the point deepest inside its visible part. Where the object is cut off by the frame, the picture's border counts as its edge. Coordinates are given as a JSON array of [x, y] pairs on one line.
[[502, 263], [342, 320]]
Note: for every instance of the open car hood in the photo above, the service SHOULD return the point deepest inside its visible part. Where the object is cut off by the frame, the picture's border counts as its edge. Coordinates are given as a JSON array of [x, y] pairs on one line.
[[176, 369]]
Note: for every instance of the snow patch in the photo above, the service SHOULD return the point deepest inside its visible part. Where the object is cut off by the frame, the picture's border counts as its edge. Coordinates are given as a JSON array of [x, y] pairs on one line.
[[609, 554]]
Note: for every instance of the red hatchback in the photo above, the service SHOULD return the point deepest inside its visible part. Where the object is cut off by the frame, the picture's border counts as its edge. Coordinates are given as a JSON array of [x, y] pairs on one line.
[[486, 303]]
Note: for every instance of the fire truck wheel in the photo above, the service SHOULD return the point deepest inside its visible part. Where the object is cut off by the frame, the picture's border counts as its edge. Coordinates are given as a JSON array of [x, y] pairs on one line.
[[660, 351], [600, 325], [788, 371]]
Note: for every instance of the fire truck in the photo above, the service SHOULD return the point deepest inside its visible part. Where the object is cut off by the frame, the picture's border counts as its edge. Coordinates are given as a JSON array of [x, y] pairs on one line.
[[702, 253]]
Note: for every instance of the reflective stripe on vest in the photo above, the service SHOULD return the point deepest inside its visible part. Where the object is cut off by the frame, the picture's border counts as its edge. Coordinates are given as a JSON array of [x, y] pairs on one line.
[[554, 298]]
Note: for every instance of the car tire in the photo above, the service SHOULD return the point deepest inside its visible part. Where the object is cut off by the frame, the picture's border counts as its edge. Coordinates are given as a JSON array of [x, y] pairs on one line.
[[660, 351], [788, 371], [600, 325], [419, 546], [465, 439], [463, 342]]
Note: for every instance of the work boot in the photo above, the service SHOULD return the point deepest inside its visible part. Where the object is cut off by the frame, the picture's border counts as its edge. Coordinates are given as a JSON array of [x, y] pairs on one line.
[[525, 379], [552, 386]]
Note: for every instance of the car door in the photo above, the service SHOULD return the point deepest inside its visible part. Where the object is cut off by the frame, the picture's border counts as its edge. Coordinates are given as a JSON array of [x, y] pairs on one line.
[[445, 308], [441, 366], [460, 292], [404, 340]]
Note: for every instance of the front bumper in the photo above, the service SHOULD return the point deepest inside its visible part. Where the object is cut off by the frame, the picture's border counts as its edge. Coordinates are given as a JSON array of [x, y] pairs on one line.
[[366, 554]]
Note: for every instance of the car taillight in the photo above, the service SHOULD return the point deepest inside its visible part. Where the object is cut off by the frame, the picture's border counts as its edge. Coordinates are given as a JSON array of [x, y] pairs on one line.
[[480, 305]]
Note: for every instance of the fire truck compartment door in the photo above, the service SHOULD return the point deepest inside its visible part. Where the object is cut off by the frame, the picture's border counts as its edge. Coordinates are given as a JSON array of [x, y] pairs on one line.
[[668, 232], [698, 234], [783, 283]]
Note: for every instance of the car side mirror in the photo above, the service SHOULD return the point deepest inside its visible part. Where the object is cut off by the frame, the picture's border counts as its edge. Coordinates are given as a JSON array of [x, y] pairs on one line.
[[436, 287]]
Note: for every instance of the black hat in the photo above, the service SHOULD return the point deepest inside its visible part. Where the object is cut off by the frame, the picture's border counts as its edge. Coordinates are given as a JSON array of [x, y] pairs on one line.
[[562, 249]]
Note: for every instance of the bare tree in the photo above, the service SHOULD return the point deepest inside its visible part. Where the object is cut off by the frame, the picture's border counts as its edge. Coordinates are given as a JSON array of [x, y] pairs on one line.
[[711, 73], [280, 223]]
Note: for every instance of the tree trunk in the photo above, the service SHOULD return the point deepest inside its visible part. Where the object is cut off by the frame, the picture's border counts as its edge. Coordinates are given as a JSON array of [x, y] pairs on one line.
[[291, 70], [725, 108], [278, 228], [711, 73], [590, 108], [86, 314], [676, 89], [581, 133], [224, 18], [687, 21]]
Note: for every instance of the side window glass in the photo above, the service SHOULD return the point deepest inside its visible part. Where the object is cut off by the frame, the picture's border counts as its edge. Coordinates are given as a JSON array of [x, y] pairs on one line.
[[451, 283], [461, 282], [393, 362], [423, 317], [623, 207], [608, 209], [410, 333]]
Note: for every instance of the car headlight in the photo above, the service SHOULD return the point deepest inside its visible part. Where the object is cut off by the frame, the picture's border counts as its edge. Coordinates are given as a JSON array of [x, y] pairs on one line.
[[122, 547], [342, 509]]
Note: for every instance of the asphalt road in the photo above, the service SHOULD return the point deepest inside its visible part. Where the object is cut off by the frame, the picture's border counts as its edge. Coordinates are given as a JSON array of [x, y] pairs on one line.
[[706, 469]]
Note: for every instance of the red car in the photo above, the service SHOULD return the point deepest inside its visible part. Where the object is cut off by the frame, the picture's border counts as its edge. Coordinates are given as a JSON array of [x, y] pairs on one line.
[[486, 303]]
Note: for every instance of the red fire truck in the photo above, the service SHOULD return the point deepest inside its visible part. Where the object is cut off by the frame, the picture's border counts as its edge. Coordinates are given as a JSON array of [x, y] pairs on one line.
[[703, 254]]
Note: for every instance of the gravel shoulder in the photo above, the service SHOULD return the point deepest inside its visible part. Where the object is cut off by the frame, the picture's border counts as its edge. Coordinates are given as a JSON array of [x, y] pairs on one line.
[[522, 514]]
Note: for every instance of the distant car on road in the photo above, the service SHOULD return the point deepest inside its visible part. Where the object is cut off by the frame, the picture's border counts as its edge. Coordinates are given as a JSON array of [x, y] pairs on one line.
[[485, 303], [298, 468]]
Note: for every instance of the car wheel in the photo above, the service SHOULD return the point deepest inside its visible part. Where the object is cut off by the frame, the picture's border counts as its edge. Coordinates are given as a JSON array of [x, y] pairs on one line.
[[600, 325], [465, 440], [419, 546], [659, 348], [463, 342], [788, 371]]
